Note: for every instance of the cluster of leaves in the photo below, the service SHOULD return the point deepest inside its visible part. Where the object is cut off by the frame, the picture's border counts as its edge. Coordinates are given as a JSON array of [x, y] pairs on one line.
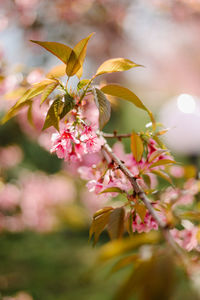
[[73, 60]]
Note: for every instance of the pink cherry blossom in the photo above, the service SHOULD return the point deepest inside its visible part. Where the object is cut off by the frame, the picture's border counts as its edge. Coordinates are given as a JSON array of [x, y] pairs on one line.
[[74, 141], [144, 226]]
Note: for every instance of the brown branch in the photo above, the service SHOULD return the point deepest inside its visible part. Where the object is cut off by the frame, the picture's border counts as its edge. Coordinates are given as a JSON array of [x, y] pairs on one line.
[[115, 135], [137, 189]]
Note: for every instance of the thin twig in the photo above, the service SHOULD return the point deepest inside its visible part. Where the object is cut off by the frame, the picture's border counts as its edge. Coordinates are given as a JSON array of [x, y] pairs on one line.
[[116, 136]]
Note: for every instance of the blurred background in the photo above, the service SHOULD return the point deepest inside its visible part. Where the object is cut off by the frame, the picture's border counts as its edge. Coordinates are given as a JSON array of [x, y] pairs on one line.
[[45, 210]]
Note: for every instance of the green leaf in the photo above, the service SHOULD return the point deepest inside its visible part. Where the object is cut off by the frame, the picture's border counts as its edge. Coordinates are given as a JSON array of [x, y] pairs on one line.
[[162, 162], [116, 223], [116, 65], [124, 93], [98, 224], [48, 90], [103, 106], [137, 147], [163, 175], [53, 114], [77, 57], [34, 91], [82, 84], [61, 51], [112, 190]]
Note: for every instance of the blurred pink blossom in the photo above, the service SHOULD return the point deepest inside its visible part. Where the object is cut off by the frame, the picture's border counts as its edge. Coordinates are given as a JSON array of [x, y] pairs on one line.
[[187, 238], [10, 156]]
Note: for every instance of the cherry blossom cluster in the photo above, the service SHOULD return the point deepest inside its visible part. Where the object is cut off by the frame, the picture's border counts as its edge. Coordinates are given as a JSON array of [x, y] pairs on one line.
[[144, 226], [74, 141]]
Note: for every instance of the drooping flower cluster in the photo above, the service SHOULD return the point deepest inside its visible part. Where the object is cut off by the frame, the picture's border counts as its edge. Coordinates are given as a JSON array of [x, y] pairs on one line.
[[74, 141]]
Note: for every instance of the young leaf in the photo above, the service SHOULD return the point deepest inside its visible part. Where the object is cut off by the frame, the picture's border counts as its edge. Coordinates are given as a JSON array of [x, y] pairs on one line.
[[156, 154], [29, 115], [163, 175], [137, 147], [124, 93], [98, 224], [48, 90], [61, 51], [162, 162], [82, 84], [53, 114], [103, 106], [112, 190], [116, 223], [68, 105], [147, 180], [57, 71], [77, 57], [102, 211], [141, 210], [116, 65], [34, 91]]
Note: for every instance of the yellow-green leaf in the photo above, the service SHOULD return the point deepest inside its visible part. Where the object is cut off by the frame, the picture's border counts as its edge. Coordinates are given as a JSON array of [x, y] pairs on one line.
[[163, 175], [103, 106], [34, 91], [161, 132], [116, 223], [48, 90], [61, 51], [82, 84], [190, 215], [112, 190], [137, 147], [68, 105], [29, 115], [124, 93], [102, 211], [162, 162], [57, 71], [77, 57], [15, 94], [156, 154], [120, 246], [116, 65], [53, 114]]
